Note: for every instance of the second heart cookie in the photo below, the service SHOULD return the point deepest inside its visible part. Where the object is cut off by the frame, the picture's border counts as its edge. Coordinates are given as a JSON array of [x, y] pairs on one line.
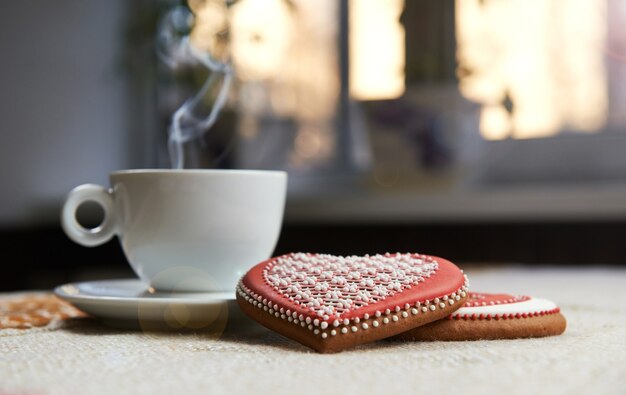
[[494, 316], [330, 303]]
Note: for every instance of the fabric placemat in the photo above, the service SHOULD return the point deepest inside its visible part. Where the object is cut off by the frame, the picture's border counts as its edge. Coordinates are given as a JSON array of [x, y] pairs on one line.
[[80, 356]]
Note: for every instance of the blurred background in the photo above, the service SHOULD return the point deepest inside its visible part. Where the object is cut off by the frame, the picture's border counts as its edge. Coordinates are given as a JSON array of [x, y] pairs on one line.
[[484, 131]]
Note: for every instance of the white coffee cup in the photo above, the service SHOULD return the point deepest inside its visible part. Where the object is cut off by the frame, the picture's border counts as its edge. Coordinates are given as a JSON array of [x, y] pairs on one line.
[[185, 230]]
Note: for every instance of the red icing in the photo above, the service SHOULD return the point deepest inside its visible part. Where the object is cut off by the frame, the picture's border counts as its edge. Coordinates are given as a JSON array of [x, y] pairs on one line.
[[446, 279]]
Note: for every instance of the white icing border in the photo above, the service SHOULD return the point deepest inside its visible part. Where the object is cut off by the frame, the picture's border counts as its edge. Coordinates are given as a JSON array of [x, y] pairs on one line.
[[280, 311], [533, 305]]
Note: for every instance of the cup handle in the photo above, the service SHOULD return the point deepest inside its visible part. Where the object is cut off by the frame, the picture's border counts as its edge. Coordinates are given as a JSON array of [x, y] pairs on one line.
[[78, 233]]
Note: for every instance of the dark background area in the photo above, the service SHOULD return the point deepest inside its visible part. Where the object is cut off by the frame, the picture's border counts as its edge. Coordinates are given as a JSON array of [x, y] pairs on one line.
[[43, 258]]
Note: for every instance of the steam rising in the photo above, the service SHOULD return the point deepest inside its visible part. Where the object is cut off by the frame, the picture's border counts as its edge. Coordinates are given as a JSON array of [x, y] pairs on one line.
[[176, 50]]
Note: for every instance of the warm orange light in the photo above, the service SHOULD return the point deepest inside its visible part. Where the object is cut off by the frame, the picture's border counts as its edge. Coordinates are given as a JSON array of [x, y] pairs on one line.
[[376, 41], [541, 58], [260, 38], [285, 56], [210, 26]]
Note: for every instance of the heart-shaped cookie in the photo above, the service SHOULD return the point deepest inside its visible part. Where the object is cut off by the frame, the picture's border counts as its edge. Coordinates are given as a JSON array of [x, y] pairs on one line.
[[494, 316], [330, 303]]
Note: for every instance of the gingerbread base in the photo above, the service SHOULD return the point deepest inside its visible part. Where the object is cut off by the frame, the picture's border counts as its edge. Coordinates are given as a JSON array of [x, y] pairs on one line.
[[515, 328], [396, 323]]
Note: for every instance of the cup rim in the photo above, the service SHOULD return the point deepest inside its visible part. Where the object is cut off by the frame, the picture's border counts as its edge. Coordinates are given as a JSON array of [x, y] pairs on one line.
[[249, 172]]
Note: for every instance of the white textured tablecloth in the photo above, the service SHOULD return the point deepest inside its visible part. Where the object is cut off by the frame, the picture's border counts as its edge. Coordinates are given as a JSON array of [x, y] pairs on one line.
[[82, 357]]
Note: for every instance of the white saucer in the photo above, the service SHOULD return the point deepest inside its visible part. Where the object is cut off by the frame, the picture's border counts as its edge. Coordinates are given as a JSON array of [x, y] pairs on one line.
[[129, 303]]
